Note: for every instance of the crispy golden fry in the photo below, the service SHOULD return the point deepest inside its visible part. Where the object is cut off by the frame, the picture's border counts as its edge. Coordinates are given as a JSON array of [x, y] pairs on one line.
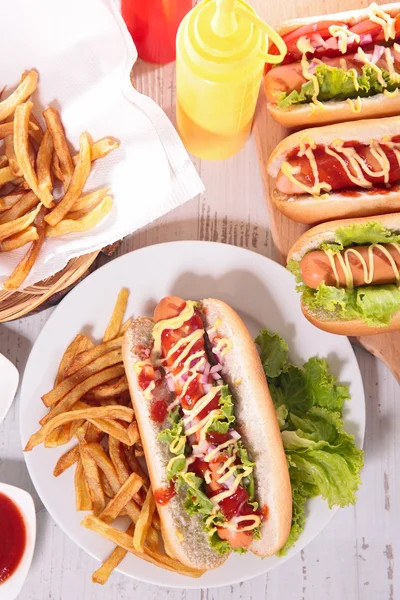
[[125, 326], [56, 129], [83, 500], [19, 239], [3, 161], [55, 167], [110, 390], [124, 540], [21, 147], [106, 486], [7, 202], [112, 428], [78, 215], [43, 164], [81, 389], [80, 175], [66, 461], [7, 129], [6, 175], [92, 476], [117, 316], [10, 154], [85, 357], [107, 360], [102, 574], [133, 433], [9, 229], [62, 435], [144, 522], [134, 464], [89, 200], [100, 149], [35, 130], [24, 90], [93, 218], [125, 493], [122, 468], [80, 344], [105, 464], [25, 204], [121, 413], [24, 267]]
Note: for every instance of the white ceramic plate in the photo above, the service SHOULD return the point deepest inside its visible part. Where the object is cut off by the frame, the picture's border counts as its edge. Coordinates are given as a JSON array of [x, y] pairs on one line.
[[9, 385], [260, 290]]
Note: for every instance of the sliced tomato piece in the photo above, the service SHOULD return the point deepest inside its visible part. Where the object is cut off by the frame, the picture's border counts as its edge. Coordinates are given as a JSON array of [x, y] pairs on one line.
[[366, 27], [322, 28]]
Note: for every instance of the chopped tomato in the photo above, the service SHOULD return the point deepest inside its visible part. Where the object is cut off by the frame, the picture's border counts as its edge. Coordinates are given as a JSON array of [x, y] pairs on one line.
[[212, 405], [322, 27], [169, 337], [193, 393], [214, 437], [146, 376], [231, 506], [199, 467], [158, 410], [397, 24], [366, 27]]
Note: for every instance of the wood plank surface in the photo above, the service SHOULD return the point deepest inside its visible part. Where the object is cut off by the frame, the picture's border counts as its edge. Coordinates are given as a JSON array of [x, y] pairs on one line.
[[354, 558]]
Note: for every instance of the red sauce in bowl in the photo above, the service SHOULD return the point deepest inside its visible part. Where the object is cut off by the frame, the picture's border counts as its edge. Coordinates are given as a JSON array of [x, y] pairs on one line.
[[12, 537]]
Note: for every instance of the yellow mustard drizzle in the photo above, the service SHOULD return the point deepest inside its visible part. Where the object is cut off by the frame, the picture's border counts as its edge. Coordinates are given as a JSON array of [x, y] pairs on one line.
[[232, 525], [364, 58], [394, 77], [147, 391], [201, 404], [310, 77], [190, 340], [377, 15], [174, 323], [304, 45], [368, 269], [343, 34], [226, 493], [223, 346], [355, 105]]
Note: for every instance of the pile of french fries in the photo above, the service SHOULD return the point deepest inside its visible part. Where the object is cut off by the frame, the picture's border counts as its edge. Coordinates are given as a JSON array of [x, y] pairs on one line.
[[90, 403], [34, 163]]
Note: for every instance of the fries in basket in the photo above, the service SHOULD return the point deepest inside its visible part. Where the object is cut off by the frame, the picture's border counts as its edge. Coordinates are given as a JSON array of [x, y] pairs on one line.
[[90, 405], [32, 161]]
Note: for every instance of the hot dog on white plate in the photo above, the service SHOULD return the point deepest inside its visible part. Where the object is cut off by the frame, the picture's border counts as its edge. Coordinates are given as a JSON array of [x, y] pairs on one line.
[[349, 274], [338, 171], [204, 411], [338, 67]]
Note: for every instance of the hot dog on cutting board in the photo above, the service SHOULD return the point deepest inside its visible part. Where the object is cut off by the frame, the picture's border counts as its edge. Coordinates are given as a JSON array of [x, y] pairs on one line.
[[338, 171], [338, 67], [349, 274], [209, 432]]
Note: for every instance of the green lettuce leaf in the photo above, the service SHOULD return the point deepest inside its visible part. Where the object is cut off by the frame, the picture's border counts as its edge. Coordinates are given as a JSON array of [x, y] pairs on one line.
[[282, 413], [196, 500], [248, 481], [172, 434], [322, 387], [338, 84], [178, 465], [290, 389], [371, 232], [220, 546], [221, 423], [273, 352]]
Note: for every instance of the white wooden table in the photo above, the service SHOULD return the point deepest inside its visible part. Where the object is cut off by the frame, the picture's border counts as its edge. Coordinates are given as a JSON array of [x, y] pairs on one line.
[[354, 557]]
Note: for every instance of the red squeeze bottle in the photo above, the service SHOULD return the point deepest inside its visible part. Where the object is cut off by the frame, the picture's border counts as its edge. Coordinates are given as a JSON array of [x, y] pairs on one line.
[[153, 25]]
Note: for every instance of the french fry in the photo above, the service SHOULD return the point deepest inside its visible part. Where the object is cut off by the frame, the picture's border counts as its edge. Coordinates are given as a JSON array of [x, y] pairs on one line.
[[9, 229], [125, 493], [83, 358], [92, 477], [56, 129], [78, 215], [62, 435], [18, 240], [106, 360], [110, 390], [133, 433], [7, 129], [90, 220], [83, 499], [81, 343], [102, 574], [90, 200], [106, 486], [112, 428], [125, 326], [112, 412], [115, 449], [66, 461], [117, 316], [43, 164], [55, 167], [24, 267], [144, 522], [21, 147], [100, 149], [133, 463], [120, 538], [7, 202], [79, 177], [35, 130], [10, 154], [24, 90], [3, 161], [6, 175], [20, 208]]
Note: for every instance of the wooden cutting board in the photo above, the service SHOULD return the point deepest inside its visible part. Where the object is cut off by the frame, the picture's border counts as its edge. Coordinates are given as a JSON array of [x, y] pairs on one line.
[[268, 134]]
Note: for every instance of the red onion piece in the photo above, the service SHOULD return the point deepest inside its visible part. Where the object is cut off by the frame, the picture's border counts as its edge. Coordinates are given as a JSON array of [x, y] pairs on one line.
[[169, 380], [235, 435], [215, 368], [377, 53], [331, 43], [207, 387]]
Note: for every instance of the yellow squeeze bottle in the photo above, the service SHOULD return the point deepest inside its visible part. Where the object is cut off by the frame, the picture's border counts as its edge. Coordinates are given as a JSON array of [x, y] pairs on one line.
[[221, 49]]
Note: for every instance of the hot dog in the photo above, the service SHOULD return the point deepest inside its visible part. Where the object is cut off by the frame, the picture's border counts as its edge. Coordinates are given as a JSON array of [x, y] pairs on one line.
[[349, 272], [337, 67], [205, 413], [338, 171]]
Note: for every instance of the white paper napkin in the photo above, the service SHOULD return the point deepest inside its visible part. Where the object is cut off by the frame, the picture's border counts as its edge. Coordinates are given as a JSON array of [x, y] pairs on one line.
[[84, 55]]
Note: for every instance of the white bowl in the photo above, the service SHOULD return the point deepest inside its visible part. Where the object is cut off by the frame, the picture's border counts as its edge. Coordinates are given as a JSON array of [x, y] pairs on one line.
[[10, 589], [9, 378]]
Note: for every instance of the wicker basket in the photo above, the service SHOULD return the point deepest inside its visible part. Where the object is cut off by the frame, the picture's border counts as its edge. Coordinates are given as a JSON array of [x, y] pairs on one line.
[[14, 305]]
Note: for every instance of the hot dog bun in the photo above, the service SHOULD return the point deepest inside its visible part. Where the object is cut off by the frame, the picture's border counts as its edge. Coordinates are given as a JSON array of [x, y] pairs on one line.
[[305, 208], [335, 111], [259, 429], [311, 240]]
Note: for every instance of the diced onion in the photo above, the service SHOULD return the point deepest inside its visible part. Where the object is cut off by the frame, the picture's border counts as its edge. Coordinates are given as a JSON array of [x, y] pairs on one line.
[[200, 449], [207, 387], [365, 39], [215, 368], [230, 482], [331, 44], [377, 53], [318, 39], [216, 376], [184, 376], [235, 435], [170, 381]]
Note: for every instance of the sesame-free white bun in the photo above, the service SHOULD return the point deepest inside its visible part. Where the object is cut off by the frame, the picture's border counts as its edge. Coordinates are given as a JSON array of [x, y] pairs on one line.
[[312, 240], [357, 202], [258, 427]]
